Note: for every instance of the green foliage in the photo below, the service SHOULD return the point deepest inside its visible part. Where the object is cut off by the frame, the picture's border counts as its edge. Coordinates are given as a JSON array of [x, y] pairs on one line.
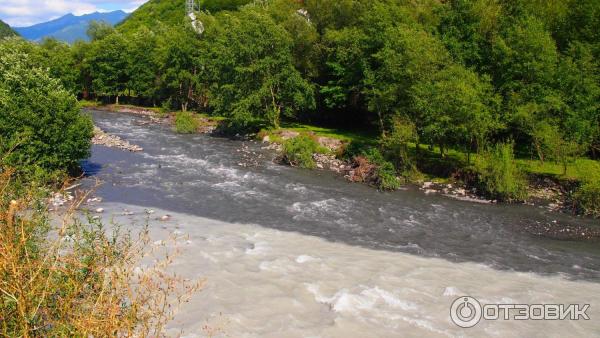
[[186, 123], [221, 5], [550, 144], [499, 176], [251, 71], [298, 151], [98, 30], [385, 177], [457, 107], [41, 127], [5, 30], [587, 197], [155, 13]]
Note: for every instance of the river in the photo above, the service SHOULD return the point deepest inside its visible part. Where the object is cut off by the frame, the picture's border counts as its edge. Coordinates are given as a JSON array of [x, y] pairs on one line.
[[295, 253]]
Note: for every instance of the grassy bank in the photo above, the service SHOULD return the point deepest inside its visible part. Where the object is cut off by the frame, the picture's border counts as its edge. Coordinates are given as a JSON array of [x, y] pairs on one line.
[[577, 186]]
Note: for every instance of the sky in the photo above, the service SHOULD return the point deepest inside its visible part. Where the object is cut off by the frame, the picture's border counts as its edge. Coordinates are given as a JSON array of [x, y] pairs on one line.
[[21, 13]]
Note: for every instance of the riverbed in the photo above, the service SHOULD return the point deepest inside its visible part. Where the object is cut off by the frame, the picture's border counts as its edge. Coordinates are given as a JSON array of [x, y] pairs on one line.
[[294, 253]]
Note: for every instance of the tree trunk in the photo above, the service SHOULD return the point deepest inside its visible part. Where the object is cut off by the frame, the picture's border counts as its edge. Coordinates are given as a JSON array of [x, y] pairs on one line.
[[538, 148], [381, 127], [117, 100]]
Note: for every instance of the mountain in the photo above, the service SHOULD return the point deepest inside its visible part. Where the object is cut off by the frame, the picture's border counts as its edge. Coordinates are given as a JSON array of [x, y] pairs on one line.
[[69, 28], [5, 30]]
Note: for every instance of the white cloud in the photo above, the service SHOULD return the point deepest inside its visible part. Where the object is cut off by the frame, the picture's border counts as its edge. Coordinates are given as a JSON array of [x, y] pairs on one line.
[[21, 13]]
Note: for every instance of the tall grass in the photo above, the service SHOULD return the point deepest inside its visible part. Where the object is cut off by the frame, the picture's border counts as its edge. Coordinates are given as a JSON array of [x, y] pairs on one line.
[[72, 278], [298, 151], [186, 123], [499, 175]]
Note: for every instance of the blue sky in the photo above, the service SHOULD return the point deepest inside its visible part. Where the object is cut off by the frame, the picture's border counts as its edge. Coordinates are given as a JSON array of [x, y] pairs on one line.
[[19, 13]]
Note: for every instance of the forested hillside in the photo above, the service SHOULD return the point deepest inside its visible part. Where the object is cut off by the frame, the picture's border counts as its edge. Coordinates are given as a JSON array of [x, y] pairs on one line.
[[476, 77], [5, 30]]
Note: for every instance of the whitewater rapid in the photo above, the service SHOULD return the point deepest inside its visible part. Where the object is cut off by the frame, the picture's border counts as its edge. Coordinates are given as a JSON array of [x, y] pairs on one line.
[[293, 253], [268, 283]]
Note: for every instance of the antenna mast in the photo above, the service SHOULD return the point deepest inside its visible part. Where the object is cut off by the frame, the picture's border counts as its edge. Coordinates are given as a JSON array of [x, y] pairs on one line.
[[190, 7]]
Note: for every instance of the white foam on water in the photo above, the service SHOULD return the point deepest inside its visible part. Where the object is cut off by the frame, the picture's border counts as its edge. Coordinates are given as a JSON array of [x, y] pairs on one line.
[[269, 283], [306, 259]]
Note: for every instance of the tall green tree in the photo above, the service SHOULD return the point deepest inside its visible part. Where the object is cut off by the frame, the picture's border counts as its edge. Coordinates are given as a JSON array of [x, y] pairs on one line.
[[250, 66], [108, 61]]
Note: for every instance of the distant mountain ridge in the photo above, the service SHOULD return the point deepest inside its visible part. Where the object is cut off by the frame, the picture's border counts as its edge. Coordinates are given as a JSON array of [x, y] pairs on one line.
[[5, 30], [69, 28]]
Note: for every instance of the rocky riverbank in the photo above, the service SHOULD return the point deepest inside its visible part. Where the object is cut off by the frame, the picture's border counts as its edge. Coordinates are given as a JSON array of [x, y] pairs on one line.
[[112, 141]]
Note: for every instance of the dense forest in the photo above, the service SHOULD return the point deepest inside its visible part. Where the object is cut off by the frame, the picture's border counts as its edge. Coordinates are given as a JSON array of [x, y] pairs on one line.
[[476, 76]]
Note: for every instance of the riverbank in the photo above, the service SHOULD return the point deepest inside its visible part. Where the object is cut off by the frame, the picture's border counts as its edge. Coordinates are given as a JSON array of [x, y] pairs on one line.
[[545, 192]]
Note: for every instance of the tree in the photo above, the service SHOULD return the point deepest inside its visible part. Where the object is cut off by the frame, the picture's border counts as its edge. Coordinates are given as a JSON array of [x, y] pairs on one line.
[[40, 125], [179, 62], [346, 62], [409, 56], [579, 82], [250, 66], [457, 108], [108, 61], [61, 64], [98, 30], [143, 64]]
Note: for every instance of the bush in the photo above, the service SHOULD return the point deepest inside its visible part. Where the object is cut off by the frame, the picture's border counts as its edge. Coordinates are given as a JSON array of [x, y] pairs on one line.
[[386, 177], [77, 279], [498, 175], [166, 107], [587, 198], [185, 123], [298, 151], [371, 167], [41, 126]]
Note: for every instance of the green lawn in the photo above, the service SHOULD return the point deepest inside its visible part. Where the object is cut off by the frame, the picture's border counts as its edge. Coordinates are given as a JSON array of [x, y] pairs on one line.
[[344, 135]]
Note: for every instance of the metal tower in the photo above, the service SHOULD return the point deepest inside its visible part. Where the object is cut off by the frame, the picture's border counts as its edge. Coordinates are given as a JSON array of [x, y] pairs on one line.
[[190, 7]]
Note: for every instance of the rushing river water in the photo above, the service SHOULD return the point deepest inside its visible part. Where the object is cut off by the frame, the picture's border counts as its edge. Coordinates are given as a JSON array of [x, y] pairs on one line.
[[294, 253]]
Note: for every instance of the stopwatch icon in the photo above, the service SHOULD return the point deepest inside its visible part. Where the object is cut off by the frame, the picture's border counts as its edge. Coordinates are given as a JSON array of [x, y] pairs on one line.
[[465, 312]]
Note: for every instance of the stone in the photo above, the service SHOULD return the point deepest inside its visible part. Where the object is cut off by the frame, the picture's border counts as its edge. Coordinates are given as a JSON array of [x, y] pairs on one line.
[[112, 141], [99, 210]]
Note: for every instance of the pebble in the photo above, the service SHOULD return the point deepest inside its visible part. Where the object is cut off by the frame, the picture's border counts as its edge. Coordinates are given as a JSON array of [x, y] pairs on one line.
[[112, 141], [99, 210]]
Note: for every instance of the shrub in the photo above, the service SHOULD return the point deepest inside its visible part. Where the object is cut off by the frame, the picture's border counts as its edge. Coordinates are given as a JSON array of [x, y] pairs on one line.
[[587, 198], [498, 175], [78, 279], [41, 126], [166, 106], [298, 151], [395, 144], [386, 177], [185, 123], [371, 167]]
